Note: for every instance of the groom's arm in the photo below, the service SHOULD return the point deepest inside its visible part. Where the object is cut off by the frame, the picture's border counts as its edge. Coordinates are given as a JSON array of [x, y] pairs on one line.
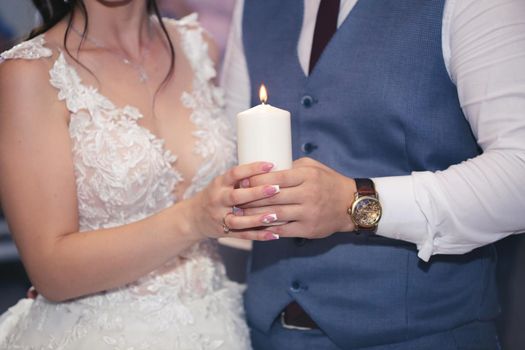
[[481, 200]]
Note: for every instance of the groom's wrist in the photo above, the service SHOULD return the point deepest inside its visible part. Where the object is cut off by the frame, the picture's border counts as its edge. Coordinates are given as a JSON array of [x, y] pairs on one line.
[[365, 210]]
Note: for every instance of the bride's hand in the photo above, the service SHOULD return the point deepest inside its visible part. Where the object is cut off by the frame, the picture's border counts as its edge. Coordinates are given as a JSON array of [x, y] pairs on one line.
[[211, 210]]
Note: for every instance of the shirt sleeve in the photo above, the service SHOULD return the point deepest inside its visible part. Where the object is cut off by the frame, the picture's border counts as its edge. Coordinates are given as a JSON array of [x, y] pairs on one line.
[[235, 80], [482, 199]]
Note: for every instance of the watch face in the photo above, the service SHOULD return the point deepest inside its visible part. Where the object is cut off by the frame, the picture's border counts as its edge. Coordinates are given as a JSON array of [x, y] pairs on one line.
[[366, 211]]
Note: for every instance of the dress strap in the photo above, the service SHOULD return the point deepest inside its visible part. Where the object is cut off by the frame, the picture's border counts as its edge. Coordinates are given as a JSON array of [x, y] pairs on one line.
[[206, 102], [195, 46], [31, 49]]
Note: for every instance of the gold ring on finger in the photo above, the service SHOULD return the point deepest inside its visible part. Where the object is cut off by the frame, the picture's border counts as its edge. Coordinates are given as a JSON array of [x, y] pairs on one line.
[[225, 228]]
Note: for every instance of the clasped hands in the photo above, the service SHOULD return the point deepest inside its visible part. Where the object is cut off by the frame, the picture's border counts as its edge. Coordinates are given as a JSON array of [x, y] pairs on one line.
[[308, 201]]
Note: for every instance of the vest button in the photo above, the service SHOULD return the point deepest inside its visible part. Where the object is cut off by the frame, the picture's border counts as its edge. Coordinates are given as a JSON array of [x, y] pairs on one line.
[[300, 241], [307, 101], [295, 287], [308, 147]]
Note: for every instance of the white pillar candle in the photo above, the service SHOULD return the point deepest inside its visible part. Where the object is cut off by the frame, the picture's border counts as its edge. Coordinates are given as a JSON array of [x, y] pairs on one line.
[[264, 134]]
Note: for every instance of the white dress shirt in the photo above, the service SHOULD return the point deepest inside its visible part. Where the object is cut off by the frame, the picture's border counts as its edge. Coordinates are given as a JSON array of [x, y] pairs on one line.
[[482, 199]]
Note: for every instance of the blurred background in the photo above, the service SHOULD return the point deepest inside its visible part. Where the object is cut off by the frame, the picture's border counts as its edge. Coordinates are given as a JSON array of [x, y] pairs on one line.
[[18, 17]]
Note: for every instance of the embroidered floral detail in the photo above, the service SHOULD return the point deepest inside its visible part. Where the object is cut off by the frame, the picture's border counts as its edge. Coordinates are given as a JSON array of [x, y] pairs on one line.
[[29, 50], [123, 172]]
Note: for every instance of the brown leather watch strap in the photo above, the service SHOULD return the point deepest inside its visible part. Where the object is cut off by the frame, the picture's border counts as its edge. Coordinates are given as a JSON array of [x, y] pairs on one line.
[[365, 187]]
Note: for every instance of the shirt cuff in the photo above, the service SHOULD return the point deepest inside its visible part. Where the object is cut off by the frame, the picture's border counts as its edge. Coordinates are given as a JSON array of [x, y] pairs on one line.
[[402, 219]]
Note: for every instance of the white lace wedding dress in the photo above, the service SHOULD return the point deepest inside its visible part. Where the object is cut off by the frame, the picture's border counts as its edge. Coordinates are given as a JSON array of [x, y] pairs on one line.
[[123, 174]]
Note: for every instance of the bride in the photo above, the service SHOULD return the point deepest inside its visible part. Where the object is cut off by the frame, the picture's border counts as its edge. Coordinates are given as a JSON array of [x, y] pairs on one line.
[[112, 146]]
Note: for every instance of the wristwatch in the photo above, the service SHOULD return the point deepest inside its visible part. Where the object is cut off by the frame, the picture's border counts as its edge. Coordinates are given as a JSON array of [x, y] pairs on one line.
[[366, 210]]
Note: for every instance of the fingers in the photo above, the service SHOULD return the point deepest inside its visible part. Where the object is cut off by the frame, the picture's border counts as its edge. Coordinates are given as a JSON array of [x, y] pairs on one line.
[[246, 195], [291, 229], [236, 222], [291, 195], [259, 224], [248, 228], [255, 235], [236, 174], [272, 233], [302, 208], [284, 178], [272, 214]]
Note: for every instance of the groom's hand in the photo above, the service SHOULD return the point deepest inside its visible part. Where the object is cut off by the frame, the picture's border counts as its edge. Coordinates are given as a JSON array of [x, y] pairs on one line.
[[313, 200]]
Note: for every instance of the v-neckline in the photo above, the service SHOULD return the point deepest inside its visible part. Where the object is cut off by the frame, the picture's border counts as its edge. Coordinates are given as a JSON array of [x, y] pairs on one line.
[[133, 114]]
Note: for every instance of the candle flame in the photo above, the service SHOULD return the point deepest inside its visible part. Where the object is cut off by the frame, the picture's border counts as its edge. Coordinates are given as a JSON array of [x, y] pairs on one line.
[[263, 94]]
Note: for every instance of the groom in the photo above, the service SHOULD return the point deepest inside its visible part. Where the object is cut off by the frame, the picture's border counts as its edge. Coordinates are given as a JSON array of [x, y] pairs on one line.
[[416, 101]]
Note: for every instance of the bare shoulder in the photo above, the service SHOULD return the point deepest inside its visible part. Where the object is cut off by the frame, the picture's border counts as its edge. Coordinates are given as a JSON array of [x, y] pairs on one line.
[[22, 72], [25, 67], [25, 91], [24, 77]]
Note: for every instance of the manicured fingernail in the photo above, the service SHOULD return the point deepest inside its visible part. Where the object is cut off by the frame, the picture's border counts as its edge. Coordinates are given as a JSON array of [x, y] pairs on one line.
[[267, 166], [245, 183], [267, 219], [237, 211], [273, 189], [271, 236]]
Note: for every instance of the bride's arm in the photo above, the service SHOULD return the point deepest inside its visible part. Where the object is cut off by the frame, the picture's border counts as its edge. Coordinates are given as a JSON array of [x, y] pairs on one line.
[[38, 195]]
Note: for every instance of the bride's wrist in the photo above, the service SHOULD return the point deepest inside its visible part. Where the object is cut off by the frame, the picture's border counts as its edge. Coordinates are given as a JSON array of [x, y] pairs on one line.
[[189, 221]]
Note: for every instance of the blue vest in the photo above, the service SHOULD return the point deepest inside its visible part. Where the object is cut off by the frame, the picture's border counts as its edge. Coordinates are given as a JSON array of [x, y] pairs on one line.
[[379, 102]]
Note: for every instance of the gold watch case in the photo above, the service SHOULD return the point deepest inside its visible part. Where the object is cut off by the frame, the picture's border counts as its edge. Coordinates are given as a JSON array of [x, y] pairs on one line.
[[365, 211]]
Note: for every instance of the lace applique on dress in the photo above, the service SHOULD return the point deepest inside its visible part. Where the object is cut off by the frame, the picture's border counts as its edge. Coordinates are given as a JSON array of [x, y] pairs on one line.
[[30, 50], [124, 174], [214, 131]]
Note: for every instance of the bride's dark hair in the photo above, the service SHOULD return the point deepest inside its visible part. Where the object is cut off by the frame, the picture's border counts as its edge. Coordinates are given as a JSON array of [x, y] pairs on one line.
[[53, 11]]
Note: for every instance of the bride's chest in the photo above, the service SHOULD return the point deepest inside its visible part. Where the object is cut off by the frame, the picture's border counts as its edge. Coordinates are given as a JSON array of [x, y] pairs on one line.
[[120, 153], [178, 133], [124, 158]]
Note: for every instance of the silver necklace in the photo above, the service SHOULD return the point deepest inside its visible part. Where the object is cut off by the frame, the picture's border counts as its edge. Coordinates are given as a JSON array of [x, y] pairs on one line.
[[143, 74]]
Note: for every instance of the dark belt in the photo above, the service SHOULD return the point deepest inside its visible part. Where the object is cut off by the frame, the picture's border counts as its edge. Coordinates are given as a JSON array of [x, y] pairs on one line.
[[294, 317]]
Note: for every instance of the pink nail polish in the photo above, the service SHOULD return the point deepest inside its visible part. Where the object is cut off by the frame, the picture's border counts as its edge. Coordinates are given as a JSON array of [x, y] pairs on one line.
[[271, 236], [268, 219], [267, 166], [245, 183], [273, 189]]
